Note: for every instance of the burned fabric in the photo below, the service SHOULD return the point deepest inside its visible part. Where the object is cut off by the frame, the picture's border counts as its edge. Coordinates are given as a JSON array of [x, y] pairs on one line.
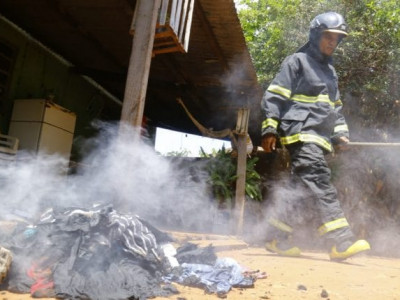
[[191, 253], [88, 254], [217, 276], [75, 253]]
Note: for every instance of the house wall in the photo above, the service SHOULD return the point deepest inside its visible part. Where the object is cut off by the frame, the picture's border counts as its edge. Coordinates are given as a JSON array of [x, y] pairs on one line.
[[37, 72]]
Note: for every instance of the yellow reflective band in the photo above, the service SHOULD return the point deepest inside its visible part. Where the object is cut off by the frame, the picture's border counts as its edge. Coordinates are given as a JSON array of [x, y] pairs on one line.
[[341, 128], [338, 102], [280, 225], [309, 99], [280, 90], [300, 98], [269, 122], [333, 225], [307, 138]]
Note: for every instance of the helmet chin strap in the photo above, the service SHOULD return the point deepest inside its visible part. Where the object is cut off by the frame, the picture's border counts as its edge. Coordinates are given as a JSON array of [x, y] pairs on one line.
[[304, 47], [313, 47]]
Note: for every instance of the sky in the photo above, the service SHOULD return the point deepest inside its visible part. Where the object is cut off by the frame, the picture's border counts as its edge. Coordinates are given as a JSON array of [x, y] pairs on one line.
[[168, 141]]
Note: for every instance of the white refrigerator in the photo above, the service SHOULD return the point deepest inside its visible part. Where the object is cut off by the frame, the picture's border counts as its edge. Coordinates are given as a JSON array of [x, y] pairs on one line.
[[43, 126]]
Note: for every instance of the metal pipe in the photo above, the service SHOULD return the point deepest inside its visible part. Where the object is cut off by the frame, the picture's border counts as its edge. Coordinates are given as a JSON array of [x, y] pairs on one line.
[[373, 144]]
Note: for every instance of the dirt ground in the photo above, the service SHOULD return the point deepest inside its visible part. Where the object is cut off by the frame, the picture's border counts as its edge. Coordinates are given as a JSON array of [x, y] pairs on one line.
[[312, 276]]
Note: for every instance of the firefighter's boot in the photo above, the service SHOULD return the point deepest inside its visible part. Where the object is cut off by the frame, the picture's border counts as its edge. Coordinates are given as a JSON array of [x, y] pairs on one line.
[[348, 249], [281, 241], [283, 248]]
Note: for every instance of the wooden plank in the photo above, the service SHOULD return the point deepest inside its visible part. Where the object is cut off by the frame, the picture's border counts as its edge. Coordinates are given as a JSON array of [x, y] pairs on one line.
[[163, 12], [166, 41], [173, 14], [139, 62], [188, 26], [168, 50], [8, 144], [132, 28], [183, 20], [241, 130], [164, 44], [240, 197], [164, 32], [213, 42], [178, 17]]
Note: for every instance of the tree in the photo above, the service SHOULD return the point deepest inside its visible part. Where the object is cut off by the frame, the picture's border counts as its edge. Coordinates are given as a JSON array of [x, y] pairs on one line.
[[367, 62], [368, 66]]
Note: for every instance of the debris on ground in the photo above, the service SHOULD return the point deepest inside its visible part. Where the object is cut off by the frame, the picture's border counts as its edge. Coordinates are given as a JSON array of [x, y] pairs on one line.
[[302, 287], [324, 294], [5, 262], [99, 253]]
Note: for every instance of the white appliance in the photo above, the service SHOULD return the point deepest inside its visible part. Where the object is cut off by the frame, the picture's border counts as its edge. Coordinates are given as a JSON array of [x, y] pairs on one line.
[[42, 126]]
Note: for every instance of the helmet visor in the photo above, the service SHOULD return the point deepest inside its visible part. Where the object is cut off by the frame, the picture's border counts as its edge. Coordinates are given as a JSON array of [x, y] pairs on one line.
[[336, 31]]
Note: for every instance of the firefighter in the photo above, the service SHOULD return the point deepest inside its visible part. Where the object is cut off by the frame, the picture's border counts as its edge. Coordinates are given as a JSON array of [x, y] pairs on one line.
[[302, 110]]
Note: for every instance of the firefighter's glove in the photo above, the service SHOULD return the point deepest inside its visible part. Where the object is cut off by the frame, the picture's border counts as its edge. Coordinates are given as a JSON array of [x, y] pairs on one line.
[[342, 144], [268, 142]]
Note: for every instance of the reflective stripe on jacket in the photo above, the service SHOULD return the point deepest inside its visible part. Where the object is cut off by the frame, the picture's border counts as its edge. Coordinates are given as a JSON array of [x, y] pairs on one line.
[[302, 104]]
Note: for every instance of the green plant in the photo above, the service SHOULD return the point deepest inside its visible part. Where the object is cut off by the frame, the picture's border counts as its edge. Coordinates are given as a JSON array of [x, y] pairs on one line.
[[222, 169], [222, 172], [253, 180], [181, 153]]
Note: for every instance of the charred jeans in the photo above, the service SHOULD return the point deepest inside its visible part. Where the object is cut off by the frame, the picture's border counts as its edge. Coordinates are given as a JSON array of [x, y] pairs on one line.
[[311, 191]]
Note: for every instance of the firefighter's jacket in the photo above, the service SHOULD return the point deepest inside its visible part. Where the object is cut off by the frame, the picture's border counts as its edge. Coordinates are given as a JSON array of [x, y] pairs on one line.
[[302, 104]]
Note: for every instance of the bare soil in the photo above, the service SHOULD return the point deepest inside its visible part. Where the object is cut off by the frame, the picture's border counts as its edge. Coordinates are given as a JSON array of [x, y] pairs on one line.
[[312, 276]]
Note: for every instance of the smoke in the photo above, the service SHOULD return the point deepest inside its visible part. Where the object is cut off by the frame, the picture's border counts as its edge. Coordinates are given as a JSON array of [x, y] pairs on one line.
[[367, 183], [28, 183], [288, 202], [367, 179], [116, 169]]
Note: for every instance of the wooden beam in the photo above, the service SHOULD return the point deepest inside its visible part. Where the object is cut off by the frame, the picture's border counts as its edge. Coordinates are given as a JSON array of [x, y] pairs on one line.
[[174, 66], [188, 26], [139, 62], [212, 39], [241, 130], [240, 197], [70, 20], [163, 13], [100, 75], [183, 19]]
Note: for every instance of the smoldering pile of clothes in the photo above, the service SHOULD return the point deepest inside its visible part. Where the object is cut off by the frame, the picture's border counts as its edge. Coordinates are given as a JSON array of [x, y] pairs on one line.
[[98, 253]]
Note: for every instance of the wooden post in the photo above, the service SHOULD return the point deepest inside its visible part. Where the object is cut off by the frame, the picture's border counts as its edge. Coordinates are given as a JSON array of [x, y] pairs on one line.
[[240, 198], [145, 20], [241, 181]]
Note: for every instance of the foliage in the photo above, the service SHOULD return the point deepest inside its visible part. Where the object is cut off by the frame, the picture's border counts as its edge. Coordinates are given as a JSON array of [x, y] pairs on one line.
[[276, 28], [222, 172], [367, 62], [368, 67], [253, 180], [213, 153], [222, 169], [182, 153]]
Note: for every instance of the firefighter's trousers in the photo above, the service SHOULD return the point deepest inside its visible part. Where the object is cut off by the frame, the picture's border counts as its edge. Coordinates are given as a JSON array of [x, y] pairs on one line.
[[311, 190]]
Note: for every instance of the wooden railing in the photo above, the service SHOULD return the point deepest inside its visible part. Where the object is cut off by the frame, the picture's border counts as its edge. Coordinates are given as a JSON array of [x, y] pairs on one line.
[[173, 26]]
